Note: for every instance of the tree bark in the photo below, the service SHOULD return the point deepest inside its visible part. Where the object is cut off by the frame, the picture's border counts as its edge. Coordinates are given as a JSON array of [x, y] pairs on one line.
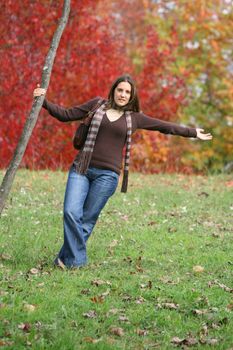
[[36, 107]]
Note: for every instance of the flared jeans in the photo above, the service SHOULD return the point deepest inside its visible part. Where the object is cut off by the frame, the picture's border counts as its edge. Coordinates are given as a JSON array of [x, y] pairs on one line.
[[85, 197]]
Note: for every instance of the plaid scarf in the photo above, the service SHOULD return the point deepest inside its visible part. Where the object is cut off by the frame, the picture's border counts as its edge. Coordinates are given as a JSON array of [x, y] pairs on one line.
[[84, 156]]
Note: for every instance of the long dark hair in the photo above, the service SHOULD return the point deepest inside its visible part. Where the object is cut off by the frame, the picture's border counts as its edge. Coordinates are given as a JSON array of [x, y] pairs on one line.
[[133, 104]]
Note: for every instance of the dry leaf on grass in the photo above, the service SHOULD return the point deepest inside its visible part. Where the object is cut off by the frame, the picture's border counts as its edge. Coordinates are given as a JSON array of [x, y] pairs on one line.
[[200, 312], [230, 306], [198, 269], [224, 287], [140, 300], [24, 326], [85, 291], [210, 341], [99, 282], [151, 223], [146, 285], [98, 299], [229, 183], [6, 343], [142, 332], [34, 271], [117, 331], [104, 294], [29, 307], [91, 340], [113, 311], [189, 341], [113, 243], [4, 256], [168, 280], [90, 314], [221, 285], [123, 318], [170, 306]]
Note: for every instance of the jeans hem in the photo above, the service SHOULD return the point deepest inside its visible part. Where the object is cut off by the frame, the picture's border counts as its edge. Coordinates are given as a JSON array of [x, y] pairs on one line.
[[70, 265]]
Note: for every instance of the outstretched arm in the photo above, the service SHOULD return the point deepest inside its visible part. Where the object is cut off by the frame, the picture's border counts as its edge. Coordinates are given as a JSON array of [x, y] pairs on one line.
[[145, 122], [66, 114]]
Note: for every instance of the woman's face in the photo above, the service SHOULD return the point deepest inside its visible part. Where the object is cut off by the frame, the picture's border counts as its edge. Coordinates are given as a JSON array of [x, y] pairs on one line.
[[122, 94]]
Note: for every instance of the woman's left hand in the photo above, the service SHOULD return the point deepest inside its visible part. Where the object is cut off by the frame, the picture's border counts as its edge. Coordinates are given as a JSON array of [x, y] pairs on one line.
[[202, 136]]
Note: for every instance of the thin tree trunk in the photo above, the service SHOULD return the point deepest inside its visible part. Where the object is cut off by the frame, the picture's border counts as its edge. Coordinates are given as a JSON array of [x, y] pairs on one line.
[[36, 107]]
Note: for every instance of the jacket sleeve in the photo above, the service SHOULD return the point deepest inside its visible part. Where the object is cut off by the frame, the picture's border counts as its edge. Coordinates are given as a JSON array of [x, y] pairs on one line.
[[148, 123], [69, 114]]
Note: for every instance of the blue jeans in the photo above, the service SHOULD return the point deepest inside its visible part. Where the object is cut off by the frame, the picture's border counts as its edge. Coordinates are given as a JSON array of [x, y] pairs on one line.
[[85, 197]]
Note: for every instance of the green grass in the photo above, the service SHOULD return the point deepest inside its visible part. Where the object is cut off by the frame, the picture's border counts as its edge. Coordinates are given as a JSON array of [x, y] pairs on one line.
[[143, 249]]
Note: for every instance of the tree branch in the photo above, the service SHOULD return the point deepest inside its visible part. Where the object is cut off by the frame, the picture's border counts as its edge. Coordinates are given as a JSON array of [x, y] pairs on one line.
[[36, 107]]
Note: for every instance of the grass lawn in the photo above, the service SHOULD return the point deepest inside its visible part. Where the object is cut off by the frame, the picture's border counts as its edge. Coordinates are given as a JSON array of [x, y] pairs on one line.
[[159, 273]]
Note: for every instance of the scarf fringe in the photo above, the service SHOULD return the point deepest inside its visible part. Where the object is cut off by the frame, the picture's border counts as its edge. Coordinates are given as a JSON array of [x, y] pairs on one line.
[[83, 163], [124, 185]]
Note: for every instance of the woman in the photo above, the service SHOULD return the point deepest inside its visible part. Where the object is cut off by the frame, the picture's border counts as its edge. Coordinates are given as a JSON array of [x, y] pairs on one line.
[[94, 175]]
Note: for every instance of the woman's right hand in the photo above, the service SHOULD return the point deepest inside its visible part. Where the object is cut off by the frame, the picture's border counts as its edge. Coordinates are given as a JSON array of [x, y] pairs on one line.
[[38, 91]]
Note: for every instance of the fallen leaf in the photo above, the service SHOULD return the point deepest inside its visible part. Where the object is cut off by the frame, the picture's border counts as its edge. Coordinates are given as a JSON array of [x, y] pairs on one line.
[[90, 314], [117, 331], [40, 285], [85, 291], [99, 282], [123, 318], [170, 306], [104, 294], [217, 325], [142, 332], [114, 311], [113, 243], [198, 268], [29, 307], [140, 300], [125, 217], [189, 341], [221, 285], [38, 325], [4, 256], [91, 340], [212, 341], [204, 194], [128, 259], [151, 223], [177, 340], [230, 306], [139, 269], [126, 298], [6, 343], [168, 280], [3, 293], [146, 285], [200, 312], [229, 183], [204, 331], [24, 326], [97, 299]]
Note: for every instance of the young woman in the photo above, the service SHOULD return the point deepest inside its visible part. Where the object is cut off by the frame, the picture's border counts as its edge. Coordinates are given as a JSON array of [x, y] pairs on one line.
[[94, 175]]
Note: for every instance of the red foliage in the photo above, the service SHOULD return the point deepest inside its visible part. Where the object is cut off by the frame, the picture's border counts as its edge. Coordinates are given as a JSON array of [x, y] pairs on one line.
[[89, 56], [161, 93], [92, 53]]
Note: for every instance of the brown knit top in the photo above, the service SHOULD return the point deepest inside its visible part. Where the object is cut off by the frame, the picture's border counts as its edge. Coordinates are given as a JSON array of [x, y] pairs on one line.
[[111, 137]]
